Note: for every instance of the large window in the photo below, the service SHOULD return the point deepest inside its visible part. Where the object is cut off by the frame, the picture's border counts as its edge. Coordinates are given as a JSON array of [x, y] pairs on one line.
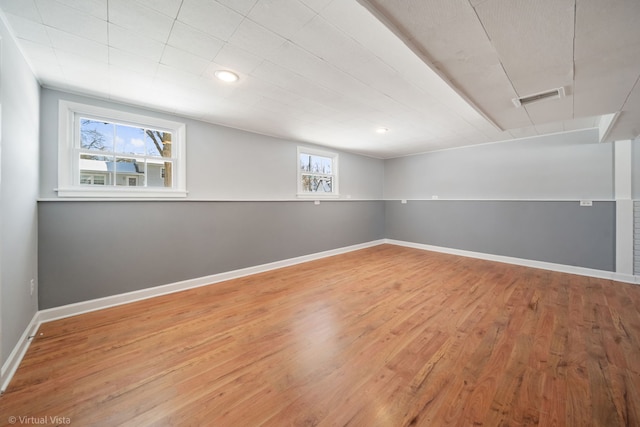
[[317, 173], [110, 153]]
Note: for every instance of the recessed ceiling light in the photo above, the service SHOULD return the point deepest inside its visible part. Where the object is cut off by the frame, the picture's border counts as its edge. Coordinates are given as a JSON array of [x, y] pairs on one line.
[[382, 130], [226, 76]]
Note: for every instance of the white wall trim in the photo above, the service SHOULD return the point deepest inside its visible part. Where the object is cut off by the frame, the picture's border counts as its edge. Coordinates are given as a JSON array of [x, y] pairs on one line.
[[10, 366], [560, 268]]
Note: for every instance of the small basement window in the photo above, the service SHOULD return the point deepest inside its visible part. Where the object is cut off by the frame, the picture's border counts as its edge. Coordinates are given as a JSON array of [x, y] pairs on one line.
[[111, 153], [317, 173]]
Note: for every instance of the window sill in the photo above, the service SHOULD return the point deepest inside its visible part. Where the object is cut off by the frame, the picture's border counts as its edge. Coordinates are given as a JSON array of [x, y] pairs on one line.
[[127, 193], [316, 196]]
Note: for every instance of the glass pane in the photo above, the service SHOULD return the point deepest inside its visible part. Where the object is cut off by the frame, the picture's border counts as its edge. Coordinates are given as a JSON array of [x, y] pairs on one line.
[[315, 164], [95, 170], [159, 174], [129, 172], [96, 135], [130, 140], [317, 184], [158, 143]]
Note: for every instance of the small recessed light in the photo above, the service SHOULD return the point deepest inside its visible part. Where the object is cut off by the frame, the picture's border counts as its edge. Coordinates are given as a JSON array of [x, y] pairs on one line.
[[382, 130], [226, 76]]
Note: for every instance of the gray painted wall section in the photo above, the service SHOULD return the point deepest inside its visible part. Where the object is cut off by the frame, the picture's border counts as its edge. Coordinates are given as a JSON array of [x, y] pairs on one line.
[[222, 163], [95, 249], [564, 166], [558, 232], [18, 193]]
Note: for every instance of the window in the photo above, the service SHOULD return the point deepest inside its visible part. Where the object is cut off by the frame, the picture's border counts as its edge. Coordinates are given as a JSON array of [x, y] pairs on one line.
[[317, 173], [111, 153]]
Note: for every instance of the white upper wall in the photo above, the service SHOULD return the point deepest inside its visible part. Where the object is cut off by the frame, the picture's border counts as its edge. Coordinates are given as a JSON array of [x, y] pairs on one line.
[[222, 163], [561, 166], [20, 102]]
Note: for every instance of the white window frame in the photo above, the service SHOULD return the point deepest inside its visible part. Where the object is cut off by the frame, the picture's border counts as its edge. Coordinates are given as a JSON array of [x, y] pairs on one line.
[[334, 168], [68, 158]]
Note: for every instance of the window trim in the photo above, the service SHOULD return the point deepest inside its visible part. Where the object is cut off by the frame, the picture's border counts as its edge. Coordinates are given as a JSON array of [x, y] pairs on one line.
[[334, 167], [68, 166]]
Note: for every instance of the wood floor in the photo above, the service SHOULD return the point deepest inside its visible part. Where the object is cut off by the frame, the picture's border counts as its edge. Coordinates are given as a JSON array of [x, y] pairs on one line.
[[385, 336]]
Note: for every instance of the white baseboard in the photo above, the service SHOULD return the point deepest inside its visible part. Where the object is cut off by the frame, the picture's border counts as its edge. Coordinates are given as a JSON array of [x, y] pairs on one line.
[[114, 300], [561, 268], [10, 366]]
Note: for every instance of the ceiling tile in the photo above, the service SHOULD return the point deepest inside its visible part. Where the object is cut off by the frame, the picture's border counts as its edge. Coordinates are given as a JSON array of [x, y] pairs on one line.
[[140, 19], [183, 60], [210, 17], [237, 59], [194, 41], [255, 38], [27, 29], [318, 5], [175, 78], [39, 52], [132, 62], [166, 7], [241, 6], [24, 8], [97, 8], [284, 17], [126, 40], [72, 21], [516, 29], [91, 50]]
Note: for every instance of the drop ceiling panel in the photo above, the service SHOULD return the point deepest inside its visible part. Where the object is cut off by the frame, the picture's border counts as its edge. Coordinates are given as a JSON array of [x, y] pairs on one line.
[[210, 17], [183, 60], [255, 38], [518, 30], [283, 17], [97, 8], [26, 29], [132, 62], [317, 5], [607, 55], [66, 42], [194, 41], [241, 6], [24, 8], [128, 41], [237, 59], [550, 110], [140, 19], [166, 7], [72, 20]]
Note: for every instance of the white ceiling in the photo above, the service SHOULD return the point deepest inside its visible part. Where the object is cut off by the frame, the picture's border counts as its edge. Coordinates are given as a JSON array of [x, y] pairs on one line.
[[436, 73]]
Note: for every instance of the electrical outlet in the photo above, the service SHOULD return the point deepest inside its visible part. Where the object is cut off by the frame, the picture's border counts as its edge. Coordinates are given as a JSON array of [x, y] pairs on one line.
[[32, 286], [586, 202]]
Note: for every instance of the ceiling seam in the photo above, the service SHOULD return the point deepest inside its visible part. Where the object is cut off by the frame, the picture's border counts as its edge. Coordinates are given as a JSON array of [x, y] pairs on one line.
[[475, 11]]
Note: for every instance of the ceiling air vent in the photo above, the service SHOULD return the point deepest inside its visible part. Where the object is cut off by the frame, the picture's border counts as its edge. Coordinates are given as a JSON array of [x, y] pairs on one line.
[[550, 94]]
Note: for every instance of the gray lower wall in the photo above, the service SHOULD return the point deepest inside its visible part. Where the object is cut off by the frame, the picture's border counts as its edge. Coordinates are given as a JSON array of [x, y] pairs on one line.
[[560, 232], [94, 249]]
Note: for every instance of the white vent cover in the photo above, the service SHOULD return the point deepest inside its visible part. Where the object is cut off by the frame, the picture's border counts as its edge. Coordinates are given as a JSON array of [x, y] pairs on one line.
[[550, 94]]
